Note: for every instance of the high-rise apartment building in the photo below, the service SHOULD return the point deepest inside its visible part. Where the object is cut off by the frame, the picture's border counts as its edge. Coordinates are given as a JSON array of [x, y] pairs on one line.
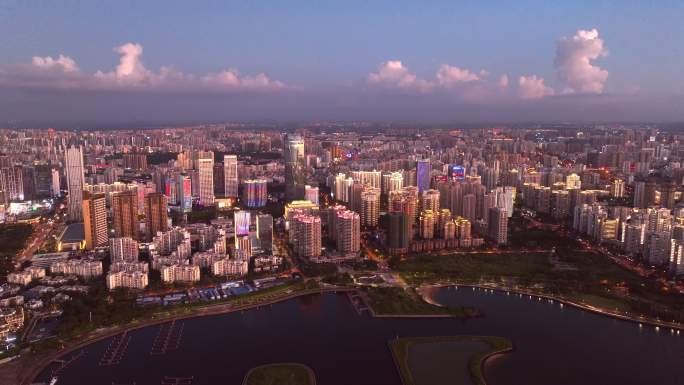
[[348, 232], [206, 179], [75, 181], [156, 214], [230, 171], [255, 193], [498, 225], [95, 220], [370, 206], [125, 214], [295, 167]]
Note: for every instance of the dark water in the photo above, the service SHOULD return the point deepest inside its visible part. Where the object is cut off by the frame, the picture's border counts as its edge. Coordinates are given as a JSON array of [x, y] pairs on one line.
[[553, 345]]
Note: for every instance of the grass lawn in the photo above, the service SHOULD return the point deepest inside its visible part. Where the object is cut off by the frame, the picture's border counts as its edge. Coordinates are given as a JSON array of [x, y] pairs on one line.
[[280, 374], [595, 279], [397, 301], [400, 351]]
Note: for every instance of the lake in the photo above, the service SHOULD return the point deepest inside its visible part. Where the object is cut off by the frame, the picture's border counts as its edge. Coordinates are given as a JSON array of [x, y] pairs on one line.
[[553, 345]]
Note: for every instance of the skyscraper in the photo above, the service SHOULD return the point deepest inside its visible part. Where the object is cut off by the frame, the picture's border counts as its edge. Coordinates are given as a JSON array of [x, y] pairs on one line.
[[255, 192], [206, 179], [230, 171], [295, 167], [264, 229], [241, 223], [423, 170], [125, 214], [184, 191], [156, 215], [311, 194], [94, 220], [75, 181], [398, 233], [498, 225]]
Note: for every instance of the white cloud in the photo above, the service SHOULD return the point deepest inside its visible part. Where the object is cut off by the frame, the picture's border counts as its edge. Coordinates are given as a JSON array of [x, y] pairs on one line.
[[532, 87], [462, 82], [393, 74], [574, 56], [130, 74], [449, 75], [64, 63]]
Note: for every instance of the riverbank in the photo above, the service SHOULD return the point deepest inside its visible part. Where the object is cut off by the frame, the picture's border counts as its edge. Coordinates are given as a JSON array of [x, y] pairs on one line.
[[673, 326], [30, 366], [400, 349]]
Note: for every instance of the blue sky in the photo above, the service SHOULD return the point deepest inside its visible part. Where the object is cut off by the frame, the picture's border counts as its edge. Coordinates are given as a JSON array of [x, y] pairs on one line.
[[331, 47]]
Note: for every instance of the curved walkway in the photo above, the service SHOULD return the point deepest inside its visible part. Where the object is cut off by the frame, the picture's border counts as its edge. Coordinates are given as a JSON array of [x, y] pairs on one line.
[[582, 306], [33, 372]]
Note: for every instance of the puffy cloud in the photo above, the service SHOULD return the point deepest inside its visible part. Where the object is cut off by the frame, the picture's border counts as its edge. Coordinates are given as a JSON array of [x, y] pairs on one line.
[[448, 75], [467, 84], [129, 74], [63, 63], [393, 74], [573, 62], [532, 87]]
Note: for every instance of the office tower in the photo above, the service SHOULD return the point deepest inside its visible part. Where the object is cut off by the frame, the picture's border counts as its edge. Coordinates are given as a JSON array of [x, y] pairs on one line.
[[423, 171], [11, 184], [219, 179], [307, 235], [230, 171], [156, 214], [617, 188], [125, 214], [348, 232], [498, 225], [94, 220], [123, 249], [254, 193], [430, 200], [184, 191], [264, 229], [241, 221], [206, 179], [28, 179], [56, 189], [398, 233], [43, 180], [295, 171], [426, 224], [75, 181], [311, 194], [573, 181], [370, 206]]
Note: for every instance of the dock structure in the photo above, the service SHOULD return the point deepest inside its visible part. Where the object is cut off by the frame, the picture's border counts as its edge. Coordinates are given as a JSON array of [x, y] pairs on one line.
[[168, 338], [168, 380], [116, 349], [358, 302], [63, 363]]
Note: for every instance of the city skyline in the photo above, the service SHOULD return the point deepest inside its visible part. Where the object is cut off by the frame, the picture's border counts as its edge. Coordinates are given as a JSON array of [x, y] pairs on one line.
[[445, 62]]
